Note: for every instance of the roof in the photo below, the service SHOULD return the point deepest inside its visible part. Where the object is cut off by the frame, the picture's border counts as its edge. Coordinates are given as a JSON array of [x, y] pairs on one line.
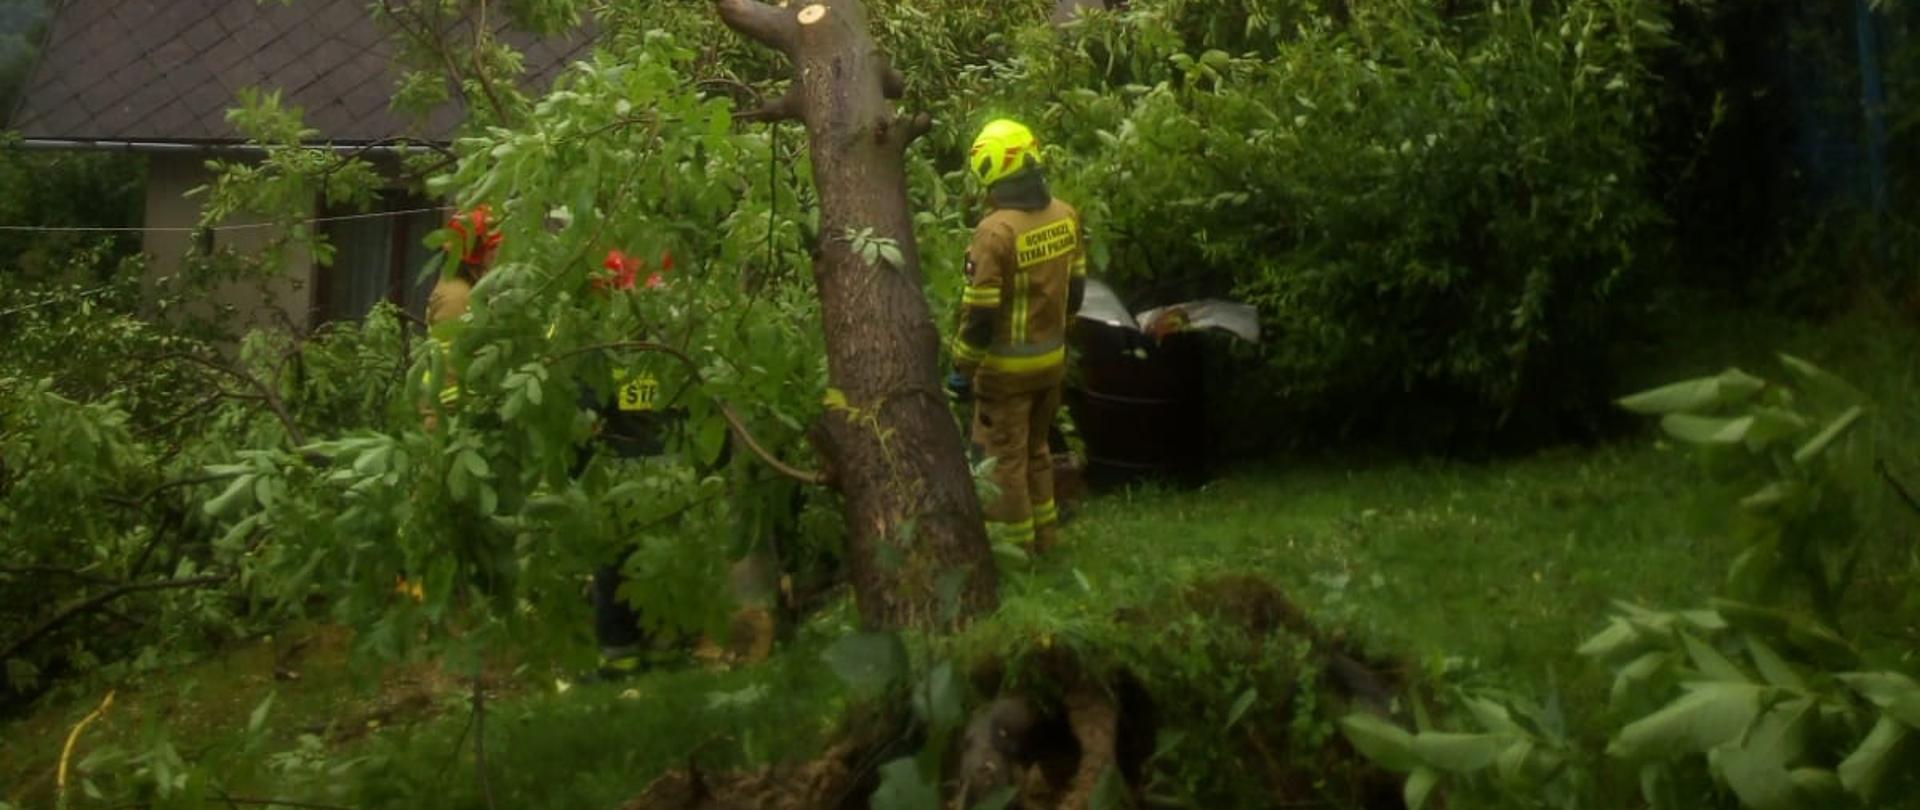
[[166, 71]]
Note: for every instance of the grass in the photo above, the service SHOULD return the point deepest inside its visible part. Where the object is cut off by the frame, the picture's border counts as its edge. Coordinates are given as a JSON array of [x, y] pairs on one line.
[[1496, 568], [1503, 564], [1491, 572]]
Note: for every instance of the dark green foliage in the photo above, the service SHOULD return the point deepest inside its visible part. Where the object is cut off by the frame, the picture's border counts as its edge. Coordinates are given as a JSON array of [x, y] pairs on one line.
[[1439, 214], [67, 190]]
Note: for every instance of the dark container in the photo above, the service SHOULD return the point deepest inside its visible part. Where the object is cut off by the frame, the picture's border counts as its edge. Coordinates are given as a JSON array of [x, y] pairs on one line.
[[1139, 405]]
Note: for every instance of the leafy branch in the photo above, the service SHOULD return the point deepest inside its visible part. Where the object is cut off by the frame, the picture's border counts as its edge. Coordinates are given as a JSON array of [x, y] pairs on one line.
[[734, 422], [83, 606]]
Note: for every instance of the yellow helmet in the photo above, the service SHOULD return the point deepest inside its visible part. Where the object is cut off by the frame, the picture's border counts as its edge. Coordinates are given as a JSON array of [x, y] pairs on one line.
[[1003, 149]]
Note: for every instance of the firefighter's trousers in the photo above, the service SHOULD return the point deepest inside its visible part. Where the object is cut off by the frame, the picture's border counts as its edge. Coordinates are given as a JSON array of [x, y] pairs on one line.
[[1012, 430]]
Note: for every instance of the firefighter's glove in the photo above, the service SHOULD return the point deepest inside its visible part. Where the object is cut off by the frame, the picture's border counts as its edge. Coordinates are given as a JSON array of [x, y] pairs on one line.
[[959, 388]]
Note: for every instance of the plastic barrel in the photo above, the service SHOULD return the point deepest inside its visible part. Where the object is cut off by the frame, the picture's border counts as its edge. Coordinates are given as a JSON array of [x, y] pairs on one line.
[[1139, 406]]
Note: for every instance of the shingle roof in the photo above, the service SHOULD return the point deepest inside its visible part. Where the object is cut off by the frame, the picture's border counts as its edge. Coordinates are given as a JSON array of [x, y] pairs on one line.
[[167, 70]]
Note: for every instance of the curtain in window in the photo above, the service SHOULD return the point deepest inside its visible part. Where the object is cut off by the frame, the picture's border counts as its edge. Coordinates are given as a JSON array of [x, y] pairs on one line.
[[362, 266]]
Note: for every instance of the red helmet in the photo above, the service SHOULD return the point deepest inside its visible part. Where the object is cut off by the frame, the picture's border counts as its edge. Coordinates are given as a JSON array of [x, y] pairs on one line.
[[477, 236]]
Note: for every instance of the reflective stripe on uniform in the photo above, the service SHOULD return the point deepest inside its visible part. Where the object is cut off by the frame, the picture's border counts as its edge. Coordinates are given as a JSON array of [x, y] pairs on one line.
[[1020, 533], [988, 297], [1020, 306], [1021, 364], [966, 352], [1031, 357], [1045, 514]]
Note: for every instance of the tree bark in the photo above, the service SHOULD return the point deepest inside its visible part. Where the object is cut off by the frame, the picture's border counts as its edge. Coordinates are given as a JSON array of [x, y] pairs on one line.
[[917, 541]]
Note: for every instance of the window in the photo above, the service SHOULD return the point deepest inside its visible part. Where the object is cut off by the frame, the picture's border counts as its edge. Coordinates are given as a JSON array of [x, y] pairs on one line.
[[378, 257]]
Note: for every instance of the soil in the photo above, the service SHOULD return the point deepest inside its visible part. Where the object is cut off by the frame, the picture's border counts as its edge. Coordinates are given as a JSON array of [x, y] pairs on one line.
[[1061, 752]]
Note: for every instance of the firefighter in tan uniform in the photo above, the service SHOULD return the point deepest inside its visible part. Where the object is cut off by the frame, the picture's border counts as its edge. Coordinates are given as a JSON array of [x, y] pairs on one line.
[[1026, 273]]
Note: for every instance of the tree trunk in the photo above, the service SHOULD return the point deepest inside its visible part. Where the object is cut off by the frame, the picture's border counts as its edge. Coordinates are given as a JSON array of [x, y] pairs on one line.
[[917, 541]]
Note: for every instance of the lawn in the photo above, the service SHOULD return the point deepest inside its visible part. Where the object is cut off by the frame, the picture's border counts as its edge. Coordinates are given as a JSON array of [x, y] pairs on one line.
[[1492, 569], [1486, 573]]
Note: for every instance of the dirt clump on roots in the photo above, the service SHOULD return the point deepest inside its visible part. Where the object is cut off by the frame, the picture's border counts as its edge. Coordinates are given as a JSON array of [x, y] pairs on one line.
[[1079, 728], [1095, 730]]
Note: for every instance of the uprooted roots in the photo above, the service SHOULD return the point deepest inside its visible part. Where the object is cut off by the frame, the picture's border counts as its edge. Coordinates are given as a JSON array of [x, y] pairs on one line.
[[1087, 742], [1011, 742]]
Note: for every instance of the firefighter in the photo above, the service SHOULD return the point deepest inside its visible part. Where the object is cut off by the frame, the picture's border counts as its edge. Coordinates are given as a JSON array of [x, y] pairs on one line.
[[1025, 276], [476, 239], [629, 425]]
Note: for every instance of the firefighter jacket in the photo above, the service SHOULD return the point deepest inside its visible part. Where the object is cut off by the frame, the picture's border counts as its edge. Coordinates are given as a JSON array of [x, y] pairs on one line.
[[1022, 267]]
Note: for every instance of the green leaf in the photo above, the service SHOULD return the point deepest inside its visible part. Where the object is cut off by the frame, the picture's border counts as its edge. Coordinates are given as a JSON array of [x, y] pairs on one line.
[[1459, 753], [1711, 663], [475, 464], [938, 701], [1771, 425], [258, 718], [1772, 667], [1419, 786], [868, 662], [1823, 382], [1712, 430], [902, 787], [1512, 764], [1865, 769], [1771, 495], [1384, 743], [1240, 707], [1818, 444], [1638, 672], [1729, 387], [892, 255], [1013, 553], [1493, 716], [1707, 716], [1894, 693], [1757, 768], [712, 439], [234, 498], [1618, 637]]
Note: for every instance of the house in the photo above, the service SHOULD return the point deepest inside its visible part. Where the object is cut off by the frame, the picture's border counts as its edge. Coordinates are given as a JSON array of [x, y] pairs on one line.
[[156, 77]]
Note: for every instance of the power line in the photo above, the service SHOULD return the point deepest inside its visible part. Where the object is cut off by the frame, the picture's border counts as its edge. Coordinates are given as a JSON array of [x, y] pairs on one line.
[[249, 226]]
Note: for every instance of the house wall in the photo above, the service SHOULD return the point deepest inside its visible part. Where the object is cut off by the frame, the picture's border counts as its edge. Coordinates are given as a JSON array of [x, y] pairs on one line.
[[283, 299]]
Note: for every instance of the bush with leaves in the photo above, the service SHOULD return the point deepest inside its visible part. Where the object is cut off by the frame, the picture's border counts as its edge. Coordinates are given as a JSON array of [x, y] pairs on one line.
[[1432, 210], [117, 415], [495, 513], [1770, 696]]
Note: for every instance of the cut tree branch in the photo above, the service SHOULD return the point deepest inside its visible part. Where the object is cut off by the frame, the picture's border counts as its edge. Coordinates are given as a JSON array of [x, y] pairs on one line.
[[913, 128], [72, 611], [893, 83], [771, 26], [726, 411], [480, 35], [271, 398], [787, 107], [51, 570]]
